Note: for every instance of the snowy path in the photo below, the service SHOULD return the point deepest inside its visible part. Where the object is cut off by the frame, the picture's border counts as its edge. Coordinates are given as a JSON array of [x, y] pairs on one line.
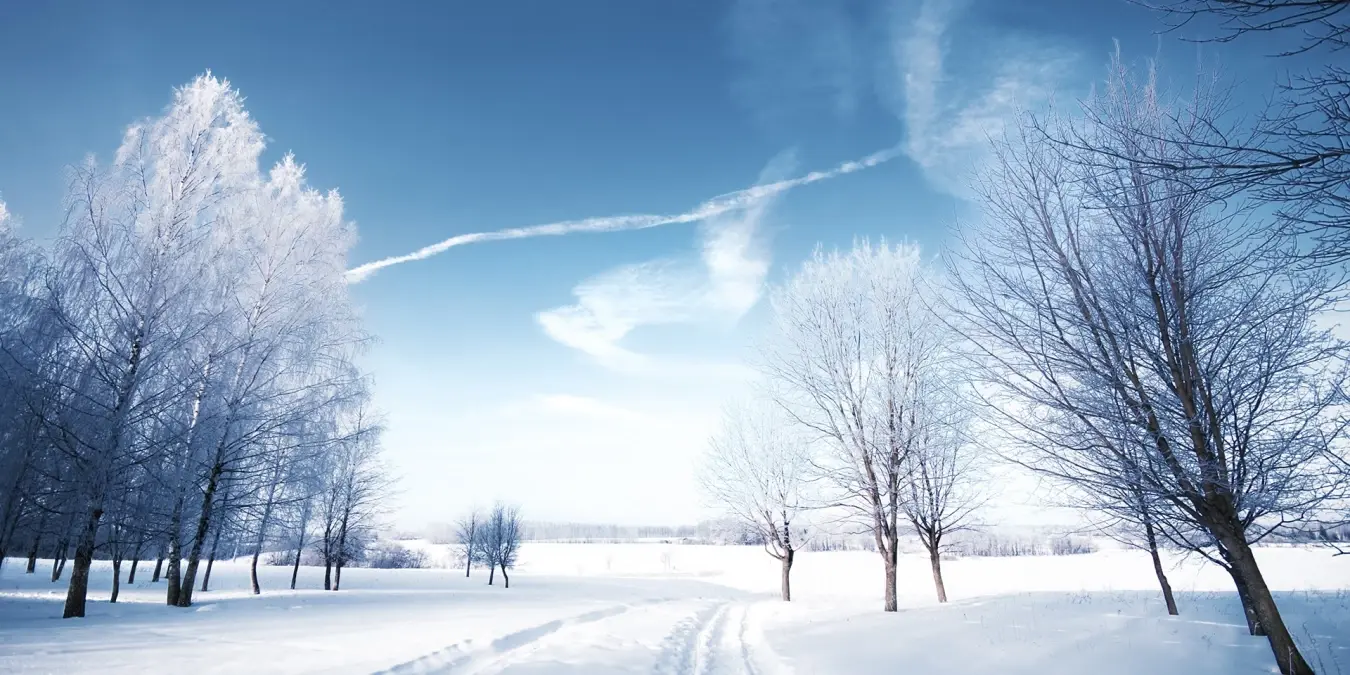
[[663, 637], [418, 621], [721, 640]]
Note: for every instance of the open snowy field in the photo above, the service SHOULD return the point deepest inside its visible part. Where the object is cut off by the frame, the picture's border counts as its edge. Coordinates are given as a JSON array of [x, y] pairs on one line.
[[652, 608]]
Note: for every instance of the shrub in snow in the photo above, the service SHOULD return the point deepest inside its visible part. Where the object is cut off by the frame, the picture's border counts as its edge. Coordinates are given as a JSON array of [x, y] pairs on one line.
[[391, 555], [1071, 546]]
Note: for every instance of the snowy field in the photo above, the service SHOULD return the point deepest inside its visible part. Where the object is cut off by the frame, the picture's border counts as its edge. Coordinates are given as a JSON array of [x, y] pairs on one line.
[[652, 608]]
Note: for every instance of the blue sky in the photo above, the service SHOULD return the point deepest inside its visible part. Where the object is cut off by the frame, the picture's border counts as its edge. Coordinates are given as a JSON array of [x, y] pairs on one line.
[[580, 374]]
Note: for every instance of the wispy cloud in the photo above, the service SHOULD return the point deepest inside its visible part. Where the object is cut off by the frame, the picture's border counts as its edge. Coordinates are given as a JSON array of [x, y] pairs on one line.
[[717, 206], [724, 283], [949, 120]]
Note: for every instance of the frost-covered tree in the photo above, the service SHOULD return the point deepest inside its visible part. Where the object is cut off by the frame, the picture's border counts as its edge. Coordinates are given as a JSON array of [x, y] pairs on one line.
[[756, 470], [283, 340], [126, 292], [856, 351], [176, 373], [24, 344]]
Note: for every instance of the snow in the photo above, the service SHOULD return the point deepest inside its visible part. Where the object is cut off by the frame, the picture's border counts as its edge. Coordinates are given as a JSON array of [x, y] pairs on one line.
[[683, 609]]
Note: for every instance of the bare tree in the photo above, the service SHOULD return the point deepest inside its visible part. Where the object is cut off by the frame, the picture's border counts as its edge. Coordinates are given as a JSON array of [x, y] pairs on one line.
[[467, 532], [1295, 154], [1135, 331], [942, 476], [850, 360], [755, 471], [500, 540], [509, 526]]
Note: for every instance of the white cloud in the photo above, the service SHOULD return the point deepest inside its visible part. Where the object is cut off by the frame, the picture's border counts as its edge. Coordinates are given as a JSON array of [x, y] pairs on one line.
[[724, 284], [949, 120]]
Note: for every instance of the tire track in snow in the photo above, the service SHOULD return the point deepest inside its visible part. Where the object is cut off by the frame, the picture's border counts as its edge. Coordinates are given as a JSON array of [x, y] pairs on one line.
[[468, 657], [756, 656], [720, 640], [708, 643], [677, 649]]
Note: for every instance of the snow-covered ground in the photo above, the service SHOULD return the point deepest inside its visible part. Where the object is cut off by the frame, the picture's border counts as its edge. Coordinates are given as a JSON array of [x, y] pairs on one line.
[[653, 608]]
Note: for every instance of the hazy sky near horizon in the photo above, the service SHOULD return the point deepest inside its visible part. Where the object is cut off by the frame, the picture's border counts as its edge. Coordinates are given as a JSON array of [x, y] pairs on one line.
[[578, 374]]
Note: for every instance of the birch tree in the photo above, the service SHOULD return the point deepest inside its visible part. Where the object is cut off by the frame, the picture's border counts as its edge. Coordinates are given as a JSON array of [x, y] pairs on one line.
[[188, 337], [126, 287], [287, 328]]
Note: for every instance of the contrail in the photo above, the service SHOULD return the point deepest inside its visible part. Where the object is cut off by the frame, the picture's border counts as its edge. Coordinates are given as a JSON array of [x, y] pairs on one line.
[[731, 201]]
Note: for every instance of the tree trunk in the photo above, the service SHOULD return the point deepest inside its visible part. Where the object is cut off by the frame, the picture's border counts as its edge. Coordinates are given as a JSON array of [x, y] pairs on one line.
[[159, 564], [295, 571], [13, 511], [327, 574], [135, 559], [1158, 570], [341, 556], [257, 548], [506, 580], [206, 578], [199, 539], [1245, 598], [117, 579], [787, 575], [1267, 614], [59, 559], [84, 558], [33, 554], [935, 561], [888, 556], [253, 572], [492, 573], [211, 561], [174, 574]]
